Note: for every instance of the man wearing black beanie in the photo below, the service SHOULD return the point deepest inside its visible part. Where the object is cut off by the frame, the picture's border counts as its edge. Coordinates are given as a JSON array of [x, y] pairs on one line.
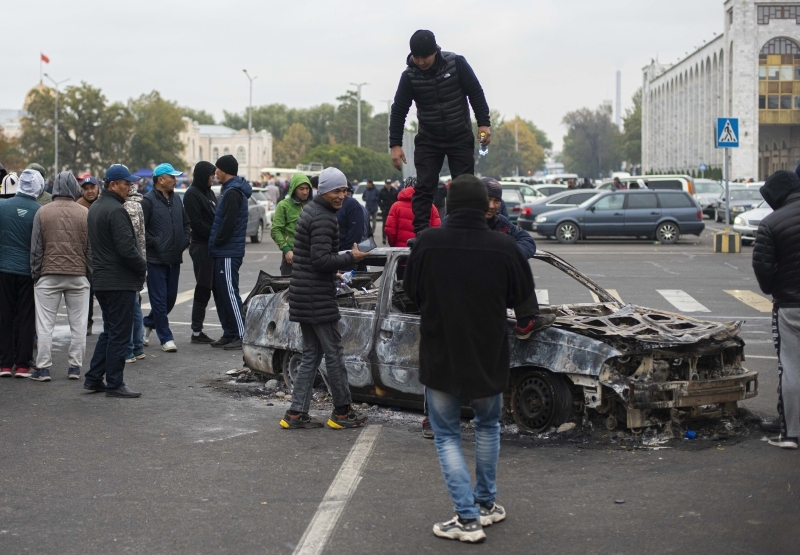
[[464, 350], [440, 84]]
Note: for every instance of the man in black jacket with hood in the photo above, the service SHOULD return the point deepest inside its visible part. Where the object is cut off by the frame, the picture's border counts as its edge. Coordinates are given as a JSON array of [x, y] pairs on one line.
[[200, 204], [776, 262], [440, 84], [464, 350]]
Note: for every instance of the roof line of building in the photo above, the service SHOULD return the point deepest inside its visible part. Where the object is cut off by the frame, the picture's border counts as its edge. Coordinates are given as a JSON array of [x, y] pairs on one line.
[[685, 58]]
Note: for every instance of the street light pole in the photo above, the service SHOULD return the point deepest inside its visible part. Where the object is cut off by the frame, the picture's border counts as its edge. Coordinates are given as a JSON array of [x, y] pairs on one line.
[[359, 85], [516, 141], [388, 124], [250, 125], [56, 84]]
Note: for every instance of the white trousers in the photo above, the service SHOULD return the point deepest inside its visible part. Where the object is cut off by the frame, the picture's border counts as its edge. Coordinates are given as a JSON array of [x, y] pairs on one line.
[[48, 291]]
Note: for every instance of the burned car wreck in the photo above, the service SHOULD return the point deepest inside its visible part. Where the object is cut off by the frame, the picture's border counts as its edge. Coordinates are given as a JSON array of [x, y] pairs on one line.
[[636, 366]]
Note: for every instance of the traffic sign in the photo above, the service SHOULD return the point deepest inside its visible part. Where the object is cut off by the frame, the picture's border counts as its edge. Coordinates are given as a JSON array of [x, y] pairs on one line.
[[727, 132], [703, 167]]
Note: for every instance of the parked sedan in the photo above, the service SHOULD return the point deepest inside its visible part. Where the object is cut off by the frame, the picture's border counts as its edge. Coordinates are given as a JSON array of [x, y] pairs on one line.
[[513, 199], [663, 215], [747, 223], [529, 194], [565, 199], [742, 200], [707, 193], [256, 216]]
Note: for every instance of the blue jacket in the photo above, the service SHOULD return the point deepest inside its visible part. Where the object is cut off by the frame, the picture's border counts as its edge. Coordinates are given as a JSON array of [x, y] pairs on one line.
[[525, 242], [16, 228], [370, 197], [166, 228], [353, 223], [236, 221]]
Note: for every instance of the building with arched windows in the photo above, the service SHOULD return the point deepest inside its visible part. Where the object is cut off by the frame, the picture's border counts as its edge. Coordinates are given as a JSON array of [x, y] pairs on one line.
[[750, 71]]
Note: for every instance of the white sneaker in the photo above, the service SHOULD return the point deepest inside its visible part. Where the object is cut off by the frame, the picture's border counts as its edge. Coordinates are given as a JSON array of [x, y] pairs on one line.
[[130, 360], [784, 442], [147, 332], [169, 347]]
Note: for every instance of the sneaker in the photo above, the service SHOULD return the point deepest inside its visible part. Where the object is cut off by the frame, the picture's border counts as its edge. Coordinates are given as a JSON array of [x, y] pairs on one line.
[[353, 419], [5, 373], [491, 514], [773, 427], [23, 372], [458, 529], [169, 347], [74, 373], [130, 359], [221, 342], [201, 338], [427, 429], [301, 421], [784, 442], [146, 338], [234, 345], [41, 375], [535, 324], [140, 356]]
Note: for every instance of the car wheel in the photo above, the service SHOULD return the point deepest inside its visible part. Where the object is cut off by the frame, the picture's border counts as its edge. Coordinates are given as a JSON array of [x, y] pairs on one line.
[[259, 233], [291, 367], [567, 233], [668, 233], [540, 400]]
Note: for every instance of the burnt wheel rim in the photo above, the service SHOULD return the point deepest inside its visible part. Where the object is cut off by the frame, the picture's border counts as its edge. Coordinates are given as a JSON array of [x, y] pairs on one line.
[[291, 370], [667, 233], [567, 232], [535, 402]]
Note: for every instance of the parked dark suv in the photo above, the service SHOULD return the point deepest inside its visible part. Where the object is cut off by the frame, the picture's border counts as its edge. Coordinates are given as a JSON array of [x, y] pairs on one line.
[[663, 215]]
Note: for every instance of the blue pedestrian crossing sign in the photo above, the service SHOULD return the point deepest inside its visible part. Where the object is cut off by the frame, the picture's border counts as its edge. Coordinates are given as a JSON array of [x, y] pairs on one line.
[[727, 132]]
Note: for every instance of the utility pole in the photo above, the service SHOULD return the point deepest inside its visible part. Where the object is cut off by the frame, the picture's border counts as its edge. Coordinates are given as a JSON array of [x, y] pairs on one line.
[[359, 85], [56, 84], [250, 126], [516, 142], [388, 124]]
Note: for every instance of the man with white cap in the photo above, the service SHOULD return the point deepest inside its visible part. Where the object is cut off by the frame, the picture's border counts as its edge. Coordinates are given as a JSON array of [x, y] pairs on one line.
[[17, 310]]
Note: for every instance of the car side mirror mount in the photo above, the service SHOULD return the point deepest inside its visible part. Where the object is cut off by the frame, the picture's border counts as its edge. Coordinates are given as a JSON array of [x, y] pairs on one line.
[[592, 208]]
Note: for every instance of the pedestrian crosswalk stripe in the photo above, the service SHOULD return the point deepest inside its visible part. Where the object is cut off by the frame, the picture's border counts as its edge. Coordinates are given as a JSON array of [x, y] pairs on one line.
[[751, 299], [612, 292], [543, 296], [682, 300]]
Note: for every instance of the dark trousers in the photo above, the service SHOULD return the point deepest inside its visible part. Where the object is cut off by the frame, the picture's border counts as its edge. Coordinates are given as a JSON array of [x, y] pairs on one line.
[[428, 159], [203, 265], [529, 308], [286, 268], [162, 288], [91, 302], [112, 345], [229, 309], [321, 340], [17, 320]]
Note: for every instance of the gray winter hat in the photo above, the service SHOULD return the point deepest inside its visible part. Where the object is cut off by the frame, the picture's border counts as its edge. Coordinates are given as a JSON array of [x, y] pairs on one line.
[[330, 179], [31, 183], [66, 185]]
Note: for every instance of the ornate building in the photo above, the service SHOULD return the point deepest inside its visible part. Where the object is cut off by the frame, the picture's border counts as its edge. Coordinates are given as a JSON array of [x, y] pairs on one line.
[[750, 71]]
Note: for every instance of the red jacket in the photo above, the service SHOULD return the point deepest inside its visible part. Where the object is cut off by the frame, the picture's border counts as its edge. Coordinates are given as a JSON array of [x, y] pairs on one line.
[[399, 225]]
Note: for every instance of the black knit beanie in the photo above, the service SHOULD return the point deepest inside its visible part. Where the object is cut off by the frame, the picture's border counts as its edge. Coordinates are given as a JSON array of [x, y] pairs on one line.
[[202, 171], [493, 187], [228, 164], [467, 191], [423, 44]]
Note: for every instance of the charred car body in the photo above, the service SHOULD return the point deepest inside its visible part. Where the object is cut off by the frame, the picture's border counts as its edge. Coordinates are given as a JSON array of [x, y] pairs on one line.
[[635, 365]]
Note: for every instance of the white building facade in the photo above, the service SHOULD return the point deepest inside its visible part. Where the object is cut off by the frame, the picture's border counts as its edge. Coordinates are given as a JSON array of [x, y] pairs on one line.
[[209, 142], [752, 72]]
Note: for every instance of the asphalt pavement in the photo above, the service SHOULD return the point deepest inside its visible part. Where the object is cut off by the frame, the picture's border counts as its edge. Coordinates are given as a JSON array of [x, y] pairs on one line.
[[198, 465]]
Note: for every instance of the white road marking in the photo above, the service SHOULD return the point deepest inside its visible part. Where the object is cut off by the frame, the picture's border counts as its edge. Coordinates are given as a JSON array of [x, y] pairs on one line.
[[339, 493], [682, 300], [543, 296], [613, 293], [751, 298]]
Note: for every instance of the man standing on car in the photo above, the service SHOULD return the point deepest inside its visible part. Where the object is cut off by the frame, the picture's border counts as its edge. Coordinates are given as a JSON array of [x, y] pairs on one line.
[[226, 244], [464, 350], [167, 227], [776, 262], [386, 198], [440, 84], [312, 304], [370, 197], [200, 203]]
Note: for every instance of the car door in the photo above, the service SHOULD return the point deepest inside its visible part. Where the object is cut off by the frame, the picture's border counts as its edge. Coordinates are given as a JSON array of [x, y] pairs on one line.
[[252, 216], [641, 214], [606, 216]]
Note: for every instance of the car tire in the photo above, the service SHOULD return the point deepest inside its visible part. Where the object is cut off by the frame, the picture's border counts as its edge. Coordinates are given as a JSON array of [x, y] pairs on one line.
[[259, 236], [540, 400], [567, 233], [291, 367], [668, 233]]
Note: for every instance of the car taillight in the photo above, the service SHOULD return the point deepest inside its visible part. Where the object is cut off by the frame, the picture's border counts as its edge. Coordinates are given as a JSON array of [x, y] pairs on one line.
[[526, 211], [515, 209], [699, 214]]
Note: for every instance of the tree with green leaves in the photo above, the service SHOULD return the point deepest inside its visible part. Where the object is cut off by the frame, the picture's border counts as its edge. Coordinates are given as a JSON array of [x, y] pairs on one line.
[[288, 152], [355, 163], [591, 145], [10, 154], [155, 139], [200, 116], [513, 146], [344, 128], [631, 140]]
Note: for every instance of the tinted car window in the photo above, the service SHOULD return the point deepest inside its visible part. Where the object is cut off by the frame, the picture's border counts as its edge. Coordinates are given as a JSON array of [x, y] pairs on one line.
[[642, 201], [671, 184], [577, 198], [675, 201], [745, 194], [707, 188], [611, 202]]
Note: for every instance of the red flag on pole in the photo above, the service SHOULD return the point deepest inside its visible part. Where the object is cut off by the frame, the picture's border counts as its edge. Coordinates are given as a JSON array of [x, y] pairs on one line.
[[45, 59]]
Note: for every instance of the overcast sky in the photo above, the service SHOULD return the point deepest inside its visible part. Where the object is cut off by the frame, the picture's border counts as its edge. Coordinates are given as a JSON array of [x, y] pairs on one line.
[[536, 58]]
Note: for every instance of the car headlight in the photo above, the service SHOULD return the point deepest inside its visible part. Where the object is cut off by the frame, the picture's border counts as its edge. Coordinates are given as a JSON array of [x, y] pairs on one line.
[[541, 219], [737, 209], [738, 221]]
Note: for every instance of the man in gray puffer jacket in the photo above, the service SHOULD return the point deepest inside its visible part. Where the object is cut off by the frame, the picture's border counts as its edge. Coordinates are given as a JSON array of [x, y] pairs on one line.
[[312, 304]]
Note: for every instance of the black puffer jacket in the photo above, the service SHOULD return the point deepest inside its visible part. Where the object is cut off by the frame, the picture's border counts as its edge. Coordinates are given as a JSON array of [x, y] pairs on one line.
[[776, 256], [167, 228], [312, 289]]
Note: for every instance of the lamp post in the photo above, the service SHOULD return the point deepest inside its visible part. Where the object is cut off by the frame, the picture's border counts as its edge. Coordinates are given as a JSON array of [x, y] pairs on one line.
[[56, 84], [359, 85], [250, 125], [388, 124]]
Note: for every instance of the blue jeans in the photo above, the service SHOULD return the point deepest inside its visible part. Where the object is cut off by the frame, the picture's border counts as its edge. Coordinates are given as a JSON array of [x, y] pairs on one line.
[[109, 354], [137, 337], [444, 412], [162, 288]]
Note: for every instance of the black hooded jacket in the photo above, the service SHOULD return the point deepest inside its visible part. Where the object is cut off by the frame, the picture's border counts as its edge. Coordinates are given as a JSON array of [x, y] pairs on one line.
[[776, 256], [200, 202]]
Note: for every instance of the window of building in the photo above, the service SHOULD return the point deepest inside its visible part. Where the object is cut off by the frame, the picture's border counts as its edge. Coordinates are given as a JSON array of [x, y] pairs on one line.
[[773, 101], [779, 80], [787, 73], [762, 102], [765, 13], [773, 73], [201, 152], [730, 16], [241, 155], [786, 102], [226, 151], [762, 73], [215, 153]]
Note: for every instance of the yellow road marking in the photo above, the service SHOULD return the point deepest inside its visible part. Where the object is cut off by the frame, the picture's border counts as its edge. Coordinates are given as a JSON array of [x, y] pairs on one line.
[[751, 299]]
